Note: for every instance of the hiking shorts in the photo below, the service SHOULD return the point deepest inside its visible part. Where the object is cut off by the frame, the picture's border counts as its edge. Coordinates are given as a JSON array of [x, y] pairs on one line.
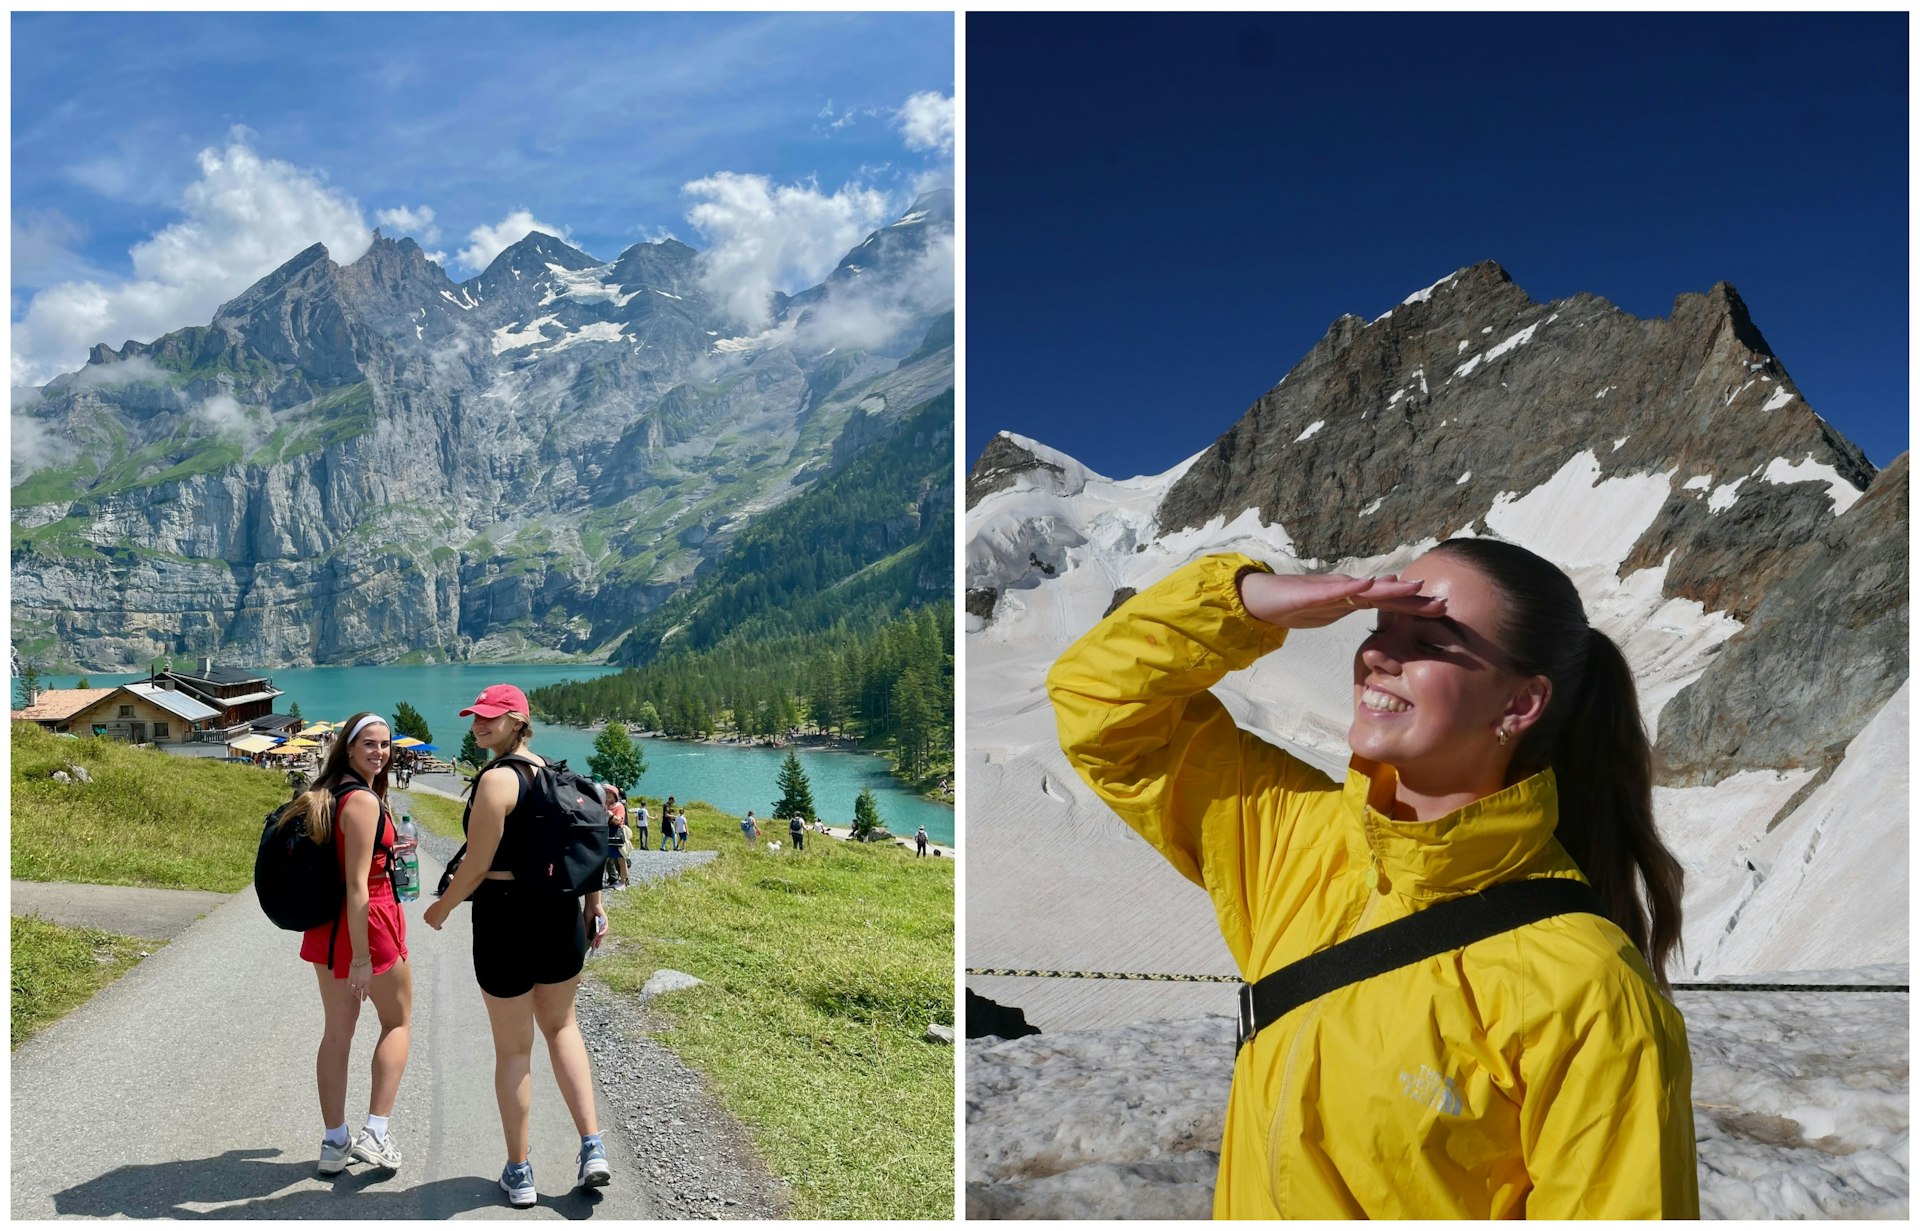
[[520, 939], [386, 936]]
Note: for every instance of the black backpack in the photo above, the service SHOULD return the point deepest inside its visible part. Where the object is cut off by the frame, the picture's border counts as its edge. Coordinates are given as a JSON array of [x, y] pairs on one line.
[[558, 838], [298, 881]]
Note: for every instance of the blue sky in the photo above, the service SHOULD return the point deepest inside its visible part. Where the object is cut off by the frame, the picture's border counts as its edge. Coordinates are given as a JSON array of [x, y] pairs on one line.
[[159, 159], [1165, 213]]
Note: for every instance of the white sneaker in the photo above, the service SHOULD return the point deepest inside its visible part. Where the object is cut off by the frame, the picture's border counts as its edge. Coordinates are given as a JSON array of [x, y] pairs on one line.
[[381, 1152], [517, 1182]]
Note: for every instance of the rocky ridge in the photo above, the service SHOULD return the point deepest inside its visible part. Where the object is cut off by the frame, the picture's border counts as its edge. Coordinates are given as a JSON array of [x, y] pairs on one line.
[[359, 463]]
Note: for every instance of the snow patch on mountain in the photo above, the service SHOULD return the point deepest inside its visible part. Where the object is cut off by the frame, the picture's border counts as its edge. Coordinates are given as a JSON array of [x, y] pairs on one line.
[[1841, 492], [1577, 518], [513, 335], [584, 286]]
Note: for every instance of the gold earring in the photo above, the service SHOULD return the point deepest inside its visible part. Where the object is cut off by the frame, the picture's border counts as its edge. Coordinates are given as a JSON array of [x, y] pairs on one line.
[[1503, 737]]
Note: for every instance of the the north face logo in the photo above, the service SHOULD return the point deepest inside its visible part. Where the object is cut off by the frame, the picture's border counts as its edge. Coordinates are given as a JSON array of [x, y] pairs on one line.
[[1430, 1089]]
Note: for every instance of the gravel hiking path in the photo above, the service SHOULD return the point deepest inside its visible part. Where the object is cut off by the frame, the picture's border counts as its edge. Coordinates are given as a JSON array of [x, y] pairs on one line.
[[185, 1090]]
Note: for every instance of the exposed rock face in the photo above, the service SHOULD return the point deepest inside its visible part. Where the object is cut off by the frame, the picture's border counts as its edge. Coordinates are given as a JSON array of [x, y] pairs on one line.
[[1824, 650], [999, 464], [352, 463], [1469, 390]]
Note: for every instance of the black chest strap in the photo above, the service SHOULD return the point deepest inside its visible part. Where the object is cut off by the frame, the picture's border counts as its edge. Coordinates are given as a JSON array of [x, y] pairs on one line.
[[1441, 928]]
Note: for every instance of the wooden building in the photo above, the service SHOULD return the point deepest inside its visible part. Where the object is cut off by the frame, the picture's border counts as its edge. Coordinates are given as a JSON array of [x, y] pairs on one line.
[[139, 713], [239, 697], [55, 708]]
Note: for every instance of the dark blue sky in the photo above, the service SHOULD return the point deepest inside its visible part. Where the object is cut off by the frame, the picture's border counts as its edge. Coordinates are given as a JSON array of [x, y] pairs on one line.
[[1165, 213]]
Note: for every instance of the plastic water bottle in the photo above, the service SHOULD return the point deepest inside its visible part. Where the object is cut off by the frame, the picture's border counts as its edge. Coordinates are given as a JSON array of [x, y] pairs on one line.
[[406, 850]]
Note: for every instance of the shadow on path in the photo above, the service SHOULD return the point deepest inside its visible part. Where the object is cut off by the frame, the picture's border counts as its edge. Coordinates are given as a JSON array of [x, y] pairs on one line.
[[248, 1183]]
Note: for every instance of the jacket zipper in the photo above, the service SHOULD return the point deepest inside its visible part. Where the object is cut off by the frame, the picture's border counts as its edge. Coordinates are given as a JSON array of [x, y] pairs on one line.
[[1293, 1047]]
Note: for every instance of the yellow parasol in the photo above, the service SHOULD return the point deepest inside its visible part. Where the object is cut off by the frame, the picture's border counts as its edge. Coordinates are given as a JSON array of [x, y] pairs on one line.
[[407, 741]]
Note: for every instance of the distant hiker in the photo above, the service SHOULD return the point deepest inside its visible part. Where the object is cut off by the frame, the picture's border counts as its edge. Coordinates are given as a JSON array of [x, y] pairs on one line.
[[680, 830], [1500, 766], [363, 953], [920, 843], [797, 830], [616, 836], [640, 824], [528, 945], [750, 827]]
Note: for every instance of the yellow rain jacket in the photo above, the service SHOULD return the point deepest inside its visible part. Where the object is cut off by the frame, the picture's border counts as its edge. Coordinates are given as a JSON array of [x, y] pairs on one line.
[[1539, 1073]]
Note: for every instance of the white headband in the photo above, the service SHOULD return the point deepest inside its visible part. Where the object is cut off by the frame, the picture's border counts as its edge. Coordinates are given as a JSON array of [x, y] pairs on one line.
[[368, 721]]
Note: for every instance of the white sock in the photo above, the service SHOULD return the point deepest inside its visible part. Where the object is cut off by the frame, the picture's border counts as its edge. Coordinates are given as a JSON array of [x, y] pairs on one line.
[[337, 1136], [377, 1125]]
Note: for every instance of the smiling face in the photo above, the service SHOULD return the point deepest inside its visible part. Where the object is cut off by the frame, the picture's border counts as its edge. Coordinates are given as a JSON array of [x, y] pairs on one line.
[[1430, 696], [370, 751], [496, 734]]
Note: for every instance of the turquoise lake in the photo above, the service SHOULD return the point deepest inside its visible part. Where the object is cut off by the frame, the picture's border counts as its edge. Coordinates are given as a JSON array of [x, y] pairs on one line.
[[732, 779]]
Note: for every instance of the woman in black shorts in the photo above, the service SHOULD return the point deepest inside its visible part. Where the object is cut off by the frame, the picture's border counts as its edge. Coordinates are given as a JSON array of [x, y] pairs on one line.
[[528, 950]]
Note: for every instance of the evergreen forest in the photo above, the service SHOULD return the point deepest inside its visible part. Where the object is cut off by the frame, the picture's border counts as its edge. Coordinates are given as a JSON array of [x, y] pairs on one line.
[[831, 613]]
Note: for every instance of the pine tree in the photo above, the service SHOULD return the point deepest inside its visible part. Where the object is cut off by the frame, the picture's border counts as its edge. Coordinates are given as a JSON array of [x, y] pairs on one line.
[[796, 793], [470, 749], [866, 814], [408, 721], [30, 682], [616, 758], [293, 712]]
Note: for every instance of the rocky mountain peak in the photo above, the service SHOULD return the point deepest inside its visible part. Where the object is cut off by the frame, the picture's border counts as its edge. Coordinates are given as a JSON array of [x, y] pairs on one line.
[[1469, 394], [1009, 459], [309, 271], [533, 253]]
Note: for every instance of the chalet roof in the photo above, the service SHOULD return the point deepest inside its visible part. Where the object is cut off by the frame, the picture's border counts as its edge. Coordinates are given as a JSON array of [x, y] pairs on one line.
[[227, 703], [60, 704], [219, 675], [172, 701]]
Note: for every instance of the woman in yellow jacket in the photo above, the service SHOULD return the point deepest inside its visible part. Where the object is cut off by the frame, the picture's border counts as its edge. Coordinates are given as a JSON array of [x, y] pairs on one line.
[[1538, 1073]]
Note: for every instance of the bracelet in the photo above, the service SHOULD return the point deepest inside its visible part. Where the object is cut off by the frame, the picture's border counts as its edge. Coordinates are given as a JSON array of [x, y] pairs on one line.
[[365, 961]]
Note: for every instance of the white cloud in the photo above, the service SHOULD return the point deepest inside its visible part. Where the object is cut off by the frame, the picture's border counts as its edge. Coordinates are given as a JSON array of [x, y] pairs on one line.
[[867, 315], [244, 217], [35, 446], [407, 221], [126, 372], [489, 242], [926, 121], [43, 249], [766, 238]]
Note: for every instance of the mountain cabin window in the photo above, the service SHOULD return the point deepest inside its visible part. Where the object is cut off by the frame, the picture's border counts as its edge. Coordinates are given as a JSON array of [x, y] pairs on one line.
[[126, 711], [160, 731]]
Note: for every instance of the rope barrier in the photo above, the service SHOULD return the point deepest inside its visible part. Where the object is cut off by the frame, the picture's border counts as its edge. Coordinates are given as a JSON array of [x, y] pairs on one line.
[[1138, 976]]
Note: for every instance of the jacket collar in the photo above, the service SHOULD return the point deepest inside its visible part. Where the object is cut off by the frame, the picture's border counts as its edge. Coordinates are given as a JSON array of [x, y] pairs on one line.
[[1497, 838]]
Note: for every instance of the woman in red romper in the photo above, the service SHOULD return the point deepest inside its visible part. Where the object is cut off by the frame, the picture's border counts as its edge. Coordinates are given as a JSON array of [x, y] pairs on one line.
[[363, 953]]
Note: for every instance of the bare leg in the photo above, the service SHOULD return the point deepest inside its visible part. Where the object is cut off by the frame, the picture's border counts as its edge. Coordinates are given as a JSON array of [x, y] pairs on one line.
[[553, 1009], [512, 1021], [392, 996], [342, 1011]]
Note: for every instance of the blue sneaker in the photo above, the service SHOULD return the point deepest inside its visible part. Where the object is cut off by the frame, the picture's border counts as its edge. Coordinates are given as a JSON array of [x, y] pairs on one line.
[[517, 1182], [594, 1172]]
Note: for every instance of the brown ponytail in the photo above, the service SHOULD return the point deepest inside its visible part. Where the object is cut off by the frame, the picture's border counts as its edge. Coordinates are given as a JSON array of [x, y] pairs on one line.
[[1604, 767], [1593, 739]]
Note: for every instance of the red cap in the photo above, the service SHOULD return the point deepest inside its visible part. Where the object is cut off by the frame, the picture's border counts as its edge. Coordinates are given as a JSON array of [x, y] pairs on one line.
[[497, 699]]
